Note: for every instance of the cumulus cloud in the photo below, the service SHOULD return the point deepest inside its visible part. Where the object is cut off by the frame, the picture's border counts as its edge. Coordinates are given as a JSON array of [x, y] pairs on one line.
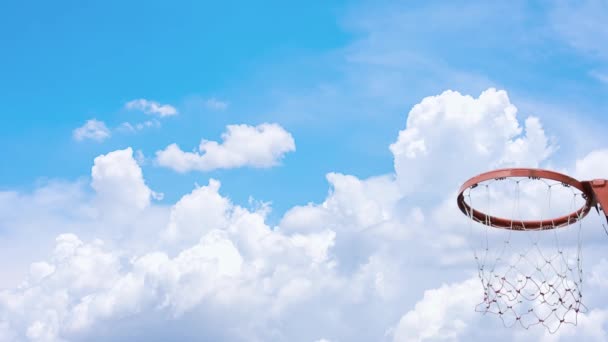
[[375, 260], [445, 314], [93, 129], [118, 181], [239, 262], [259, 146], [151, 107], [200, 211], [442, 314], [593, 165], [353, 205], [481, 133]]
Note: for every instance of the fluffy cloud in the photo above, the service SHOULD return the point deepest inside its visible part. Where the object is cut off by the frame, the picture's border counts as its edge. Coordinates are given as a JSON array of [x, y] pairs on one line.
[[481, 133], [592, 166], [118, 180], [381, 258], [367, 207], [93, 129], [442, 314], [200, 211], [256, 146], [151, 107], [445, 314], [241, 262]]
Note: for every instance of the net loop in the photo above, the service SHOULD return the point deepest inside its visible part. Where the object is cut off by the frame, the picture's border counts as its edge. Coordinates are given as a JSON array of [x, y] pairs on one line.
[[531, 275]]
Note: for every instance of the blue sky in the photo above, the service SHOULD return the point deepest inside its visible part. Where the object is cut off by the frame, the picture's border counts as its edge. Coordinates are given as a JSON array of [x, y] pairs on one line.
[[71, 62], [86, 61], [338, 83]]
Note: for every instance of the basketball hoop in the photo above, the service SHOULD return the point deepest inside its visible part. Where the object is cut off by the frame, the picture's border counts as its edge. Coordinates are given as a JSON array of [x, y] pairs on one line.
[[531, 272]]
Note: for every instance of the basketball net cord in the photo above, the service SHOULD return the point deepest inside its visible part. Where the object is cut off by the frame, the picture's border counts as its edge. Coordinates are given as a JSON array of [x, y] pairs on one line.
[[537, 284]]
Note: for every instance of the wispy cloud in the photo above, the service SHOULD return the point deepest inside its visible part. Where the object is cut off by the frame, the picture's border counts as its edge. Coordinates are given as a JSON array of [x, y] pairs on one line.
[[132, 128], [97, 130], [92, 130], [582, 25], [151, 107], [600, 76], [216, 104]]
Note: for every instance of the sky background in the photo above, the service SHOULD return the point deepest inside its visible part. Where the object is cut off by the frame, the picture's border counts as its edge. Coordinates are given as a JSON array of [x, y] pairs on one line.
[[319, 229]]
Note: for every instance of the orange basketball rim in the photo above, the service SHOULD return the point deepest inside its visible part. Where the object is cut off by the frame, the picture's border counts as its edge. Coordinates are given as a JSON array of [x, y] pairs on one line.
[[595, 192]]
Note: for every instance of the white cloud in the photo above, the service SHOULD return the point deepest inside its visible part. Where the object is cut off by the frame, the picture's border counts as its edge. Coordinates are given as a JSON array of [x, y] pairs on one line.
[[6, 333], [132, 128], [353, 205], [140, 157], [445, 314], [480, 132], [201, 211], [259, 146], [592, 166], [240, 266], [442, 314], [591, 327], [216, 104], [93, 129], [365, 264], [151, 107], [118, 181]]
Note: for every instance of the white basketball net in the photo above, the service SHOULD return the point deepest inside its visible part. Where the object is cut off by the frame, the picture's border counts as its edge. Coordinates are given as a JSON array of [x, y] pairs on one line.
[[530, 277]]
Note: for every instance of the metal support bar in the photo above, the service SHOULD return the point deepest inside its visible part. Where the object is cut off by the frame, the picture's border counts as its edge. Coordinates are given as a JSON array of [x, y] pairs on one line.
[[600, 192]]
